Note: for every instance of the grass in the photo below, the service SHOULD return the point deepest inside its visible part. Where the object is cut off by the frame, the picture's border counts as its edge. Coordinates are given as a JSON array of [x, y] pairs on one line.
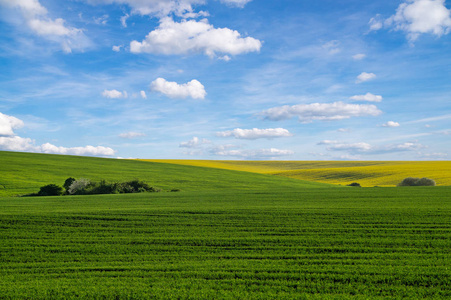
[[334, 243], [226, 235], [25, 173], [367, 173]]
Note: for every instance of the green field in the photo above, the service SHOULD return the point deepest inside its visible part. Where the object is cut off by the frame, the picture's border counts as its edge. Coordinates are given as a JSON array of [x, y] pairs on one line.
[[25, 173], [226, 235]]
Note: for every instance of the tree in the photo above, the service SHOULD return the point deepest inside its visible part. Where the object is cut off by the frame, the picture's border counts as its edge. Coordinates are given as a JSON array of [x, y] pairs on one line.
[[51, 190], [68, 183], [78, 187]]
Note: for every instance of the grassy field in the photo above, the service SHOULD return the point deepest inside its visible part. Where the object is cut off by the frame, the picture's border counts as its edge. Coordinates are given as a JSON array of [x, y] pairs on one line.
[[335, 243], [226, 235], [367, 173], [25, 173]]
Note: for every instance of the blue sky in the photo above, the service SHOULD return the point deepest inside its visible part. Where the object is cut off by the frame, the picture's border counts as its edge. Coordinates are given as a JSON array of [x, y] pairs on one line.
[[227, 79]]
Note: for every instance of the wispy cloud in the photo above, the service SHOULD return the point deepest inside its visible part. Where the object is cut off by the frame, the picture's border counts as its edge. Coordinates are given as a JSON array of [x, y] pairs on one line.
[[255, 133], [320, 111], [131, 135], [366, 148]]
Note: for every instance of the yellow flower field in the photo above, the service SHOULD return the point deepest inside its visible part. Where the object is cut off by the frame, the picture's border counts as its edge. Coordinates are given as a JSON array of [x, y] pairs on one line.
[[367, 173]]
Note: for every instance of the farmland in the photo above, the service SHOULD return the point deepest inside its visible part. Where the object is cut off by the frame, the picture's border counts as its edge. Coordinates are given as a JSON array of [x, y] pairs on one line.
[[367, 173], [226, 235]]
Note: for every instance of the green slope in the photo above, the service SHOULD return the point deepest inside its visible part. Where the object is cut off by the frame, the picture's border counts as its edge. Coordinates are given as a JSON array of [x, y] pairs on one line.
[[23, 173]]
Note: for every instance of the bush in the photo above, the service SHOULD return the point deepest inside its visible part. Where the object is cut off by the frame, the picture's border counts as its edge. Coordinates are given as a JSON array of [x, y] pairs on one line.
[[51, 190], [425, 182], [78, 187], [355, 184], [414, 181]]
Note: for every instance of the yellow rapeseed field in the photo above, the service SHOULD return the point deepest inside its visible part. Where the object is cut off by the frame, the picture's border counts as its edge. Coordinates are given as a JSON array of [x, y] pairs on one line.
[[367, 173]]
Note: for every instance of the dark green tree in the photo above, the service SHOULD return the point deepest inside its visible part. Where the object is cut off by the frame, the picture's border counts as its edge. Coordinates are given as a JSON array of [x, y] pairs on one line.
[[51, 190]]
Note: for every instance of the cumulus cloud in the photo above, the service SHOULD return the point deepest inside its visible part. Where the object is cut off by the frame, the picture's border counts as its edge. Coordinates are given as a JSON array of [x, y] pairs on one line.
[[143, 94], [365, 148], [16, 143], [259, 153], [8, 124], [35, 16], [364, 76], [10, 142], [417, 17], [114, 94], [320, 111], [193, 89], [391, 124], [367, 97], [255, 133], [131, 135], [194, 37]]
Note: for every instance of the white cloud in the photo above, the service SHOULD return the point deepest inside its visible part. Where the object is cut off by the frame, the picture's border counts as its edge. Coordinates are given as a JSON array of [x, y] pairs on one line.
[[8, 124], [364, 76], [82, 151], [259, 153], [332, 47], [131, 135], [124, 20], [255, 133], [143, 94], [367, 97], [359, 56], [194, 143], [114, 94], [417, 17], [16, 143], [376, 23], [365, 148], [236, 3], [340, 146], [36, 19], [320, 111], [193, 89], [155, 7], [391, 124], [194, 37], [117, 48]]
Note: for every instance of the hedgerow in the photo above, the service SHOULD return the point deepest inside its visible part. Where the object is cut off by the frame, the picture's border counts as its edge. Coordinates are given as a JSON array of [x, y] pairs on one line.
[[85, 186]]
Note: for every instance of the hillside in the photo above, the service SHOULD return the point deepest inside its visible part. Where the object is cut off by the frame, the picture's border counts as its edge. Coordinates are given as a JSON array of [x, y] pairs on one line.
[[24, 173], [367, 173]]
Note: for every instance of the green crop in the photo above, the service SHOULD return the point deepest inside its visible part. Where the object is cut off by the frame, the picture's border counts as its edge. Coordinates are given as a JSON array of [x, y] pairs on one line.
[[298, 243]]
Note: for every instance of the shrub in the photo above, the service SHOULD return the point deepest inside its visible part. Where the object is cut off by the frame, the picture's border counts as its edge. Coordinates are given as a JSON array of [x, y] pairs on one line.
[[355, 184], [51, 190], [414, 181], [425, 182], [78, 187]]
